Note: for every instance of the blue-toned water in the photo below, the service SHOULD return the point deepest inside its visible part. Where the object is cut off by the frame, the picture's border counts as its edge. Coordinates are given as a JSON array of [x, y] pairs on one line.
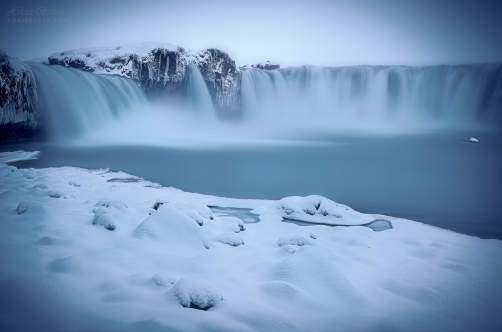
[[387, 140]]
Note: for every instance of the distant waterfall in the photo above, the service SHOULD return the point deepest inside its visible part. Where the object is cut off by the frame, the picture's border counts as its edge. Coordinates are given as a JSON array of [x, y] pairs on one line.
[[73, 102], [375, 94]]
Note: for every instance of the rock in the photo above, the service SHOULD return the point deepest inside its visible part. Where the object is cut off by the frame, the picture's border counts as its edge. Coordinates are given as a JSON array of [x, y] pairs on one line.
[[161, 69], [267, 65], [19, 115]]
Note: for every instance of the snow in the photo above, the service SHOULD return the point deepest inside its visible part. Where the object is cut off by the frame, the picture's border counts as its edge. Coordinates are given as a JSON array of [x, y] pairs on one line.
[[198, 293], [474, 140], [160, 265], [320, 210]]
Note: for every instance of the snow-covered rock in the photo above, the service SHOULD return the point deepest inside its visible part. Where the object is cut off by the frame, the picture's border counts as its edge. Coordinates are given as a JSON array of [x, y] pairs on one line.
[[320, 210], [103, 217], [196, 293], [160, 69], [173, 227], [473, 140], [267, 65], [293, 240], [19, 115], [231, 239]]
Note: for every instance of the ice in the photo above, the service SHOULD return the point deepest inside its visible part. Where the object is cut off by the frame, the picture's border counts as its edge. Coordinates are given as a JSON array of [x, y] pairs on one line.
[[10, 157], [196, 293], [473, 140]]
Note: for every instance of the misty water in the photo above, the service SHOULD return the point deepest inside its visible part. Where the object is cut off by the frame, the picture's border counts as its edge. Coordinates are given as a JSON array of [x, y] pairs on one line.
[[384, 140]]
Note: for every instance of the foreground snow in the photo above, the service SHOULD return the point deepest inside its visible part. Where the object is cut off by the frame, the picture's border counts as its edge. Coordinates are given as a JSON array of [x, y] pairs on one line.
[[97, 250]]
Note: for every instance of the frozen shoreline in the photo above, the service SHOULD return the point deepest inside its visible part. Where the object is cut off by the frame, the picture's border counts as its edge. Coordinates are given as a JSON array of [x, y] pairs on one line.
[[271, 275]]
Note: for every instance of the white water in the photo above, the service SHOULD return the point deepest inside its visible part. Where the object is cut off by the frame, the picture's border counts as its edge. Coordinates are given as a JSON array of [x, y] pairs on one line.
[[73, 102], [284, 104], [374, 96]]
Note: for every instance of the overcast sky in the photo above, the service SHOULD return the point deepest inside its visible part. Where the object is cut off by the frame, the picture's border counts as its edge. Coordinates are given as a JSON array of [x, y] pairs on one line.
[[293, 33]]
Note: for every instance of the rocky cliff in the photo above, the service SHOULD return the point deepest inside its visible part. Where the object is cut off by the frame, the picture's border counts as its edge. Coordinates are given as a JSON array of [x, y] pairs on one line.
[[161, 69], [19, 115]]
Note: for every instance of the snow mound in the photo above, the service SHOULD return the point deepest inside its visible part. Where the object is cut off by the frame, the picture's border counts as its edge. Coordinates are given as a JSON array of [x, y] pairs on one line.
[[170, 225], [196, 293], [103, 217], [314, 271], [74, 183], [163, 279], [118, 204], [56, 193], [320, 210], [294, 240], [231, 239], [234, 224], [23, 207]]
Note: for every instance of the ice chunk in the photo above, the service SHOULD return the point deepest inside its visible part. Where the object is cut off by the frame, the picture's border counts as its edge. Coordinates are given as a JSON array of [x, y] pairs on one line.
[[103, 217], [473, 140], [231, 239], [196, 293]]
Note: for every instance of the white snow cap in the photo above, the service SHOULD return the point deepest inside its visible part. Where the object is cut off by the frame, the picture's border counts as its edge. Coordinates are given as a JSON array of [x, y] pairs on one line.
[[320, 210]]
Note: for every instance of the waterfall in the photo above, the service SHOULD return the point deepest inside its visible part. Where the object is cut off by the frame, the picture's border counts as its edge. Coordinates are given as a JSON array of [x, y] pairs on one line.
[[73, 102], [461, 94], [198, 95]]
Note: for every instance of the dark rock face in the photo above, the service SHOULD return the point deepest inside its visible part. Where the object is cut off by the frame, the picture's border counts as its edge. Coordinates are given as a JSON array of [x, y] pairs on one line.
[[162, 69], [19, 116]]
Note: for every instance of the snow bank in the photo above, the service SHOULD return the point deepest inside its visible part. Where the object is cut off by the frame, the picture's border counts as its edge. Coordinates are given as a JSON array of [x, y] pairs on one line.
[[320, 210], [65, 273]]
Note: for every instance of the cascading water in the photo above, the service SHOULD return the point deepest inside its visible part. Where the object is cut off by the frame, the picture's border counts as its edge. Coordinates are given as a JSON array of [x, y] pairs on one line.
[[198, 95], [366, 94], [73, 102]]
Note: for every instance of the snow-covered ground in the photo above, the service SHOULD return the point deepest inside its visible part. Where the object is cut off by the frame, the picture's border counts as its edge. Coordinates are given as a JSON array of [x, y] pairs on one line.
[[98, 250]]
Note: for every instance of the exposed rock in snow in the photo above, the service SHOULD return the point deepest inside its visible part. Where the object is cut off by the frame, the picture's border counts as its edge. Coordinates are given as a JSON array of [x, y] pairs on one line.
[[160, 69], [473, 140], [267, 65], [196, 293], [320, 210], [231, 239], [19, 114]]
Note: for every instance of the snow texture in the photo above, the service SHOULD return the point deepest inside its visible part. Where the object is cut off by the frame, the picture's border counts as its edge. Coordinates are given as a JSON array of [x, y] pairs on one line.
[[149, 273], [196, 293], [320, 210]]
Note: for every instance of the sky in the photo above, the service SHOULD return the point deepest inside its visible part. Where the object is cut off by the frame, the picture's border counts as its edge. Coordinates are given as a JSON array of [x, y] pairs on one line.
[[291, 33]]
